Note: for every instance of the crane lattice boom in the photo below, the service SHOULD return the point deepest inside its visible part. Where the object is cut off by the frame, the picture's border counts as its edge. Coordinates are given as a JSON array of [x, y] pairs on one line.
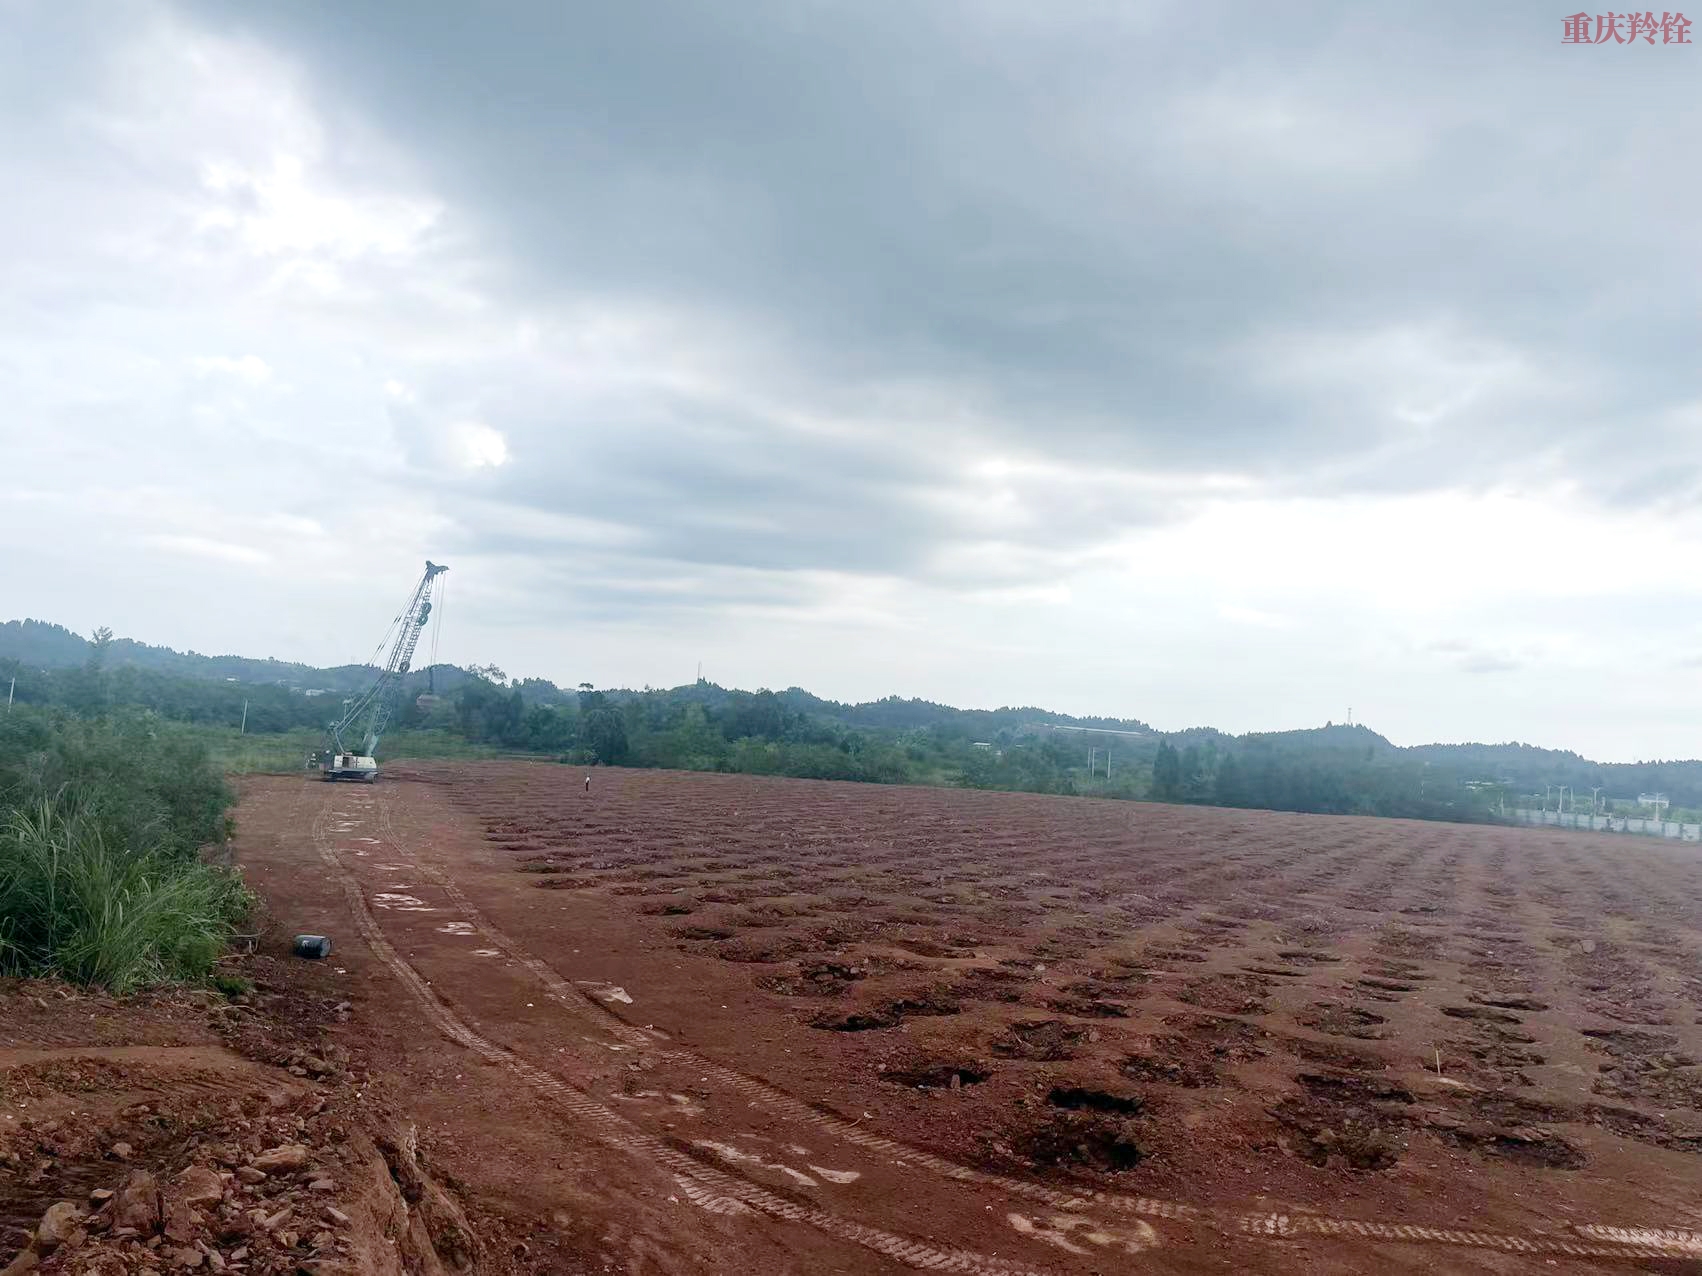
[[370, 712]]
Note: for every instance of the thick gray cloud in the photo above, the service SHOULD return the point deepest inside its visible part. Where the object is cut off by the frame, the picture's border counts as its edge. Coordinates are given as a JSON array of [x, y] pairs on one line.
[[1278, 239], [1218, 365]]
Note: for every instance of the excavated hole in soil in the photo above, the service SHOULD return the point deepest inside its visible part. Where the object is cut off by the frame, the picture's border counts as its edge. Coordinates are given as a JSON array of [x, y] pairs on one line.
[[1174, 1061], [1526, 1145], [1481, 1013], [1625, 1043], [1344, 1121], [1343, 1021], [1077, 1098], [1175, 954], [1091, 1140], [668, 908], [854, 1021], [927, 1003], [814, 979], [1509, 1003], [760, 949], [702, 932], [1089, 1007], [1332, 1055], [938, 1076]]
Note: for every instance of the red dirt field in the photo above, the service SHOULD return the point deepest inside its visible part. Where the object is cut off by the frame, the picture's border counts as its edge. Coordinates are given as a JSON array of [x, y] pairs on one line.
[[685, 1022]]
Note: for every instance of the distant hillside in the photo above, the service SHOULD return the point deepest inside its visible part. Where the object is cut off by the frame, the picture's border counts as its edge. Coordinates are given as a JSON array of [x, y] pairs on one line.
[[1262, 761], [40, 645], [1528, 768]]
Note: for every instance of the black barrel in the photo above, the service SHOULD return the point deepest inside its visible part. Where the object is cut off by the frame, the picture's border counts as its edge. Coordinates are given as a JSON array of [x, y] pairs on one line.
[[314, 946]]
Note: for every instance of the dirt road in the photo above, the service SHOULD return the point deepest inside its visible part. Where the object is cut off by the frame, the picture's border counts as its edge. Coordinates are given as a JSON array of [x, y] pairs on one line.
[[577, 1072]]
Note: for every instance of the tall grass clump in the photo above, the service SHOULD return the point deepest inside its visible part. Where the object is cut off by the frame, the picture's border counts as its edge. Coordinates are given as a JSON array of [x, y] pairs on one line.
[[101, 880], [74, 905]]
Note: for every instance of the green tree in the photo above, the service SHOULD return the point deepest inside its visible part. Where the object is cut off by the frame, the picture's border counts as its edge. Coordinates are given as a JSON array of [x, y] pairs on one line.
[[86, 689], [1229, 789], [1167, 773], [605, 734]]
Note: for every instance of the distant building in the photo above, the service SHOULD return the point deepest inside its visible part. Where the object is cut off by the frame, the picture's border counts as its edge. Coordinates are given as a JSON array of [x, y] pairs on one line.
[[981, 744]]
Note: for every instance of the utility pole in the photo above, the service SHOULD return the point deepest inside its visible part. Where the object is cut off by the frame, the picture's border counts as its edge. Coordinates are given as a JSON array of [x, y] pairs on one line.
[[1595, 789], [1108, 764], [10, 691], [1091, 769], [243, 729]]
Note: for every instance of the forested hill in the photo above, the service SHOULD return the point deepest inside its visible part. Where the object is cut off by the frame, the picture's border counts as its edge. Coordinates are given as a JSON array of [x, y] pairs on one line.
[[39, 644], [1335, 767], [1529, 768], [42, 645], [895, 714]]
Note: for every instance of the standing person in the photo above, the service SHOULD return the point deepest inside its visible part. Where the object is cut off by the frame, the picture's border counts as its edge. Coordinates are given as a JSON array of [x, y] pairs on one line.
[[587, 784]]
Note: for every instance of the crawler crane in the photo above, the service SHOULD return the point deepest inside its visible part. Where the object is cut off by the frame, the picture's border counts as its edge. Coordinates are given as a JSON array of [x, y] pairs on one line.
[[365, 717]]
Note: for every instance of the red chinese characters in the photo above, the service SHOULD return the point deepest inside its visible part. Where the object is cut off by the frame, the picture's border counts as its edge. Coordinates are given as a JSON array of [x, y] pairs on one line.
[[1625, 28]]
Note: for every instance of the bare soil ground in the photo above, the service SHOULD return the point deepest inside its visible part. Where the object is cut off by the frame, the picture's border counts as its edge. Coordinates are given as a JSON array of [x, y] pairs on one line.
[[720, 1023], [187, 1130]]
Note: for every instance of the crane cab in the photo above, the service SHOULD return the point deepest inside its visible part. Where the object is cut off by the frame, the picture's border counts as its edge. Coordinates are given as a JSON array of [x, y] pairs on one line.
[[348, 766]]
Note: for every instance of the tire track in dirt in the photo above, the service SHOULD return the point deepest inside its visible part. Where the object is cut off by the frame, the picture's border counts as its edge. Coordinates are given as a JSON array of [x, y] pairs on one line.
[[714, 1188], [1611, 1242]]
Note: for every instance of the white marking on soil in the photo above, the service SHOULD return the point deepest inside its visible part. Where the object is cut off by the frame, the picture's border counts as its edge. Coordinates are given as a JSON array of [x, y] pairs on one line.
[[1057, 1230], [455, 928], [486, 952], [401, 903], [606, 992], [678, 1102], [704, 1199], [835, 1176], [728, 1152]]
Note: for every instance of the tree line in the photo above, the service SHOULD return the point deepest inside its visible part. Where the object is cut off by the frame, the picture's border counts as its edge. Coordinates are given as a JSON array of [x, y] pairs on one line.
[[702, 726]]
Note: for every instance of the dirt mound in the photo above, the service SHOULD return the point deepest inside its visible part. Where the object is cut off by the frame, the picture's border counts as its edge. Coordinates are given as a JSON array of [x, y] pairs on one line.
[[1039, 1040], [224, 1136]]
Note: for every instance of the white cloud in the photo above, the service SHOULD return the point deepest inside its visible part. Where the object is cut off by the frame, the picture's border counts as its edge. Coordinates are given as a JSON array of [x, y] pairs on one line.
[[204, 547], [247, 367], [477, 446], [1237, 614]]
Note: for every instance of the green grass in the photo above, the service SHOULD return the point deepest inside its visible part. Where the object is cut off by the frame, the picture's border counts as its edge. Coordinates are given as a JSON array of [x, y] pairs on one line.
[[75, 904], [287, 751]]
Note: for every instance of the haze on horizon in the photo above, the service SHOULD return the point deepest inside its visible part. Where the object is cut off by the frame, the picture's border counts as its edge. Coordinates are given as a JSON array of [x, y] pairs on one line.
[[1227, 366]]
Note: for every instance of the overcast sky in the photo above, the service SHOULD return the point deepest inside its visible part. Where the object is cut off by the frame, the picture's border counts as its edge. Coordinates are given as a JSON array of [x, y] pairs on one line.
[[1209, 364]]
